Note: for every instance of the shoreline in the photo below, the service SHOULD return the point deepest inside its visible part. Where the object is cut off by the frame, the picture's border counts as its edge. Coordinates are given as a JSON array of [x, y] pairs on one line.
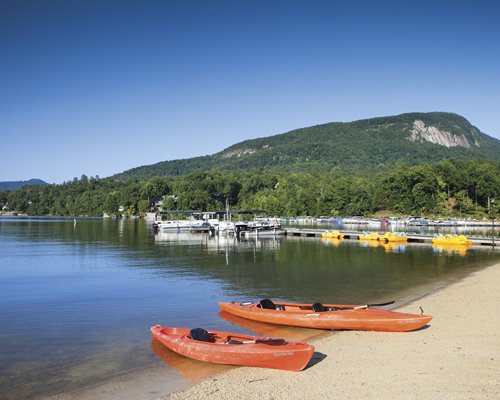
[[456, 356]]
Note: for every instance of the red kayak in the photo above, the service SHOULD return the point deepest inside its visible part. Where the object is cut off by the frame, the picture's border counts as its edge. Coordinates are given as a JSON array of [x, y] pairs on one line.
[[235, 348], [327, 316]]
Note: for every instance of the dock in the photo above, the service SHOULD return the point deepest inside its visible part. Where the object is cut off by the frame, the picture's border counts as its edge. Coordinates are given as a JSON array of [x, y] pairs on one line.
[[412, 238]]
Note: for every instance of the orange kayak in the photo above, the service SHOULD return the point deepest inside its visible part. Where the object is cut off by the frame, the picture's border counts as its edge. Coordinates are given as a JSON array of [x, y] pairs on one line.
[[327, 316], [235, 348]]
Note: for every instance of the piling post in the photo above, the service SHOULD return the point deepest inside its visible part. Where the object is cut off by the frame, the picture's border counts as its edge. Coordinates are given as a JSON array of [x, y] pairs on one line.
[[492, 204]]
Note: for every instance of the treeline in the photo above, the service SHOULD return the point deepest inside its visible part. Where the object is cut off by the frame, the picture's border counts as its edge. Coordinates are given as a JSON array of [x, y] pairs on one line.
[[445, 188]]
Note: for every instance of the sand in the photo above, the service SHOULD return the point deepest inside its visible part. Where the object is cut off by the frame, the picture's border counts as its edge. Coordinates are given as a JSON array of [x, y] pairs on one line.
[[456, 357]]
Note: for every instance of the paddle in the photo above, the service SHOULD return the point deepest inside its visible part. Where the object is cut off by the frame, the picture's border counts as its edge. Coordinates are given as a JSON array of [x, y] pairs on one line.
[[263, 341], [366, 306]]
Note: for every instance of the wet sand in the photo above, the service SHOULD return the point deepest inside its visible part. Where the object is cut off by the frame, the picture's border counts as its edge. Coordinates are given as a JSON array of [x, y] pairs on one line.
[[456, 357], [139, 385]]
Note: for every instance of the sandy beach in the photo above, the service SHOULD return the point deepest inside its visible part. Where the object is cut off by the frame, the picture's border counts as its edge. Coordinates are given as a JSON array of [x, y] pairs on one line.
[[456, 357]]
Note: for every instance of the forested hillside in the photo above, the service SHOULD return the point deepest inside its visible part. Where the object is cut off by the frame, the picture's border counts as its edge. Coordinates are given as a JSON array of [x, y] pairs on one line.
[[14, 185], [446, 188], [355, 148]]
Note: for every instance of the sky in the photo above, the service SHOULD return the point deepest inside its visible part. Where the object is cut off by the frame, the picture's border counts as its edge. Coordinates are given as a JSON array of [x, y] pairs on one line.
[[98, 87]]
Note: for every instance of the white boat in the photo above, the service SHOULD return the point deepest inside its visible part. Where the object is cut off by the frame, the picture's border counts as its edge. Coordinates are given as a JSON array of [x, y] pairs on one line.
[[374, 223], [178, 225], [226, 227], [416, 221], [224, 224]]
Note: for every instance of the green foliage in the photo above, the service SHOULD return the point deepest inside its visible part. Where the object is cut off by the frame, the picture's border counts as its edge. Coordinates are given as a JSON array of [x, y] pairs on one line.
[[142, 206], [112, 202], [449, 187], [155, 187]]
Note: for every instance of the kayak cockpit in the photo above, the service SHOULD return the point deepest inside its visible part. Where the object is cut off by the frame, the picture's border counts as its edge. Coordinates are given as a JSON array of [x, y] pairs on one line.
[[268, 304]]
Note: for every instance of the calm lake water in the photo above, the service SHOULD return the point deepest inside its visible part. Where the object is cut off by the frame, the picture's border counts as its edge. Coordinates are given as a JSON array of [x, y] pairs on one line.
[[77, 299]]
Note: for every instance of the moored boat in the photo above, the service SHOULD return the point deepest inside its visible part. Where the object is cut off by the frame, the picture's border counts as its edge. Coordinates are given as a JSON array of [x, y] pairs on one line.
[[369, 236], [327, 316], [178, 225], [332, 235], [452, 240], [235, 348], [393, 237]]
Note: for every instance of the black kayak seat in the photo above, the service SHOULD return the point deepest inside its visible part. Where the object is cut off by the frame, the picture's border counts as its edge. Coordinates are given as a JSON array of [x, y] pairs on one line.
[[267, 304], [200, 334], [318, 307]]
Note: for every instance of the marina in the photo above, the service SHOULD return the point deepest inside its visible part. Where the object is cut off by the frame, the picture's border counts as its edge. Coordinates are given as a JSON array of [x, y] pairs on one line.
[[272, 227], [415, 229]]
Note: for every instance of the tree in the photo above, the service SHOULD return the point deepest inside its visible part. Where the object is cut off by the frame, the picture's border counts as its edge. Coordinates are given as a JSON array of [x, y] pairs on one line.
[[112, 202], [154, 187]]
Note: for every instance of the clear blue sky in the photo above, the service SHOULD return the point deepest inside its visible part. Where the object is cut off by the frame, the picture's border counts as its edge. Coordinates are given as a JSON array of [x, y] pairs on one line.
[[98, 87]]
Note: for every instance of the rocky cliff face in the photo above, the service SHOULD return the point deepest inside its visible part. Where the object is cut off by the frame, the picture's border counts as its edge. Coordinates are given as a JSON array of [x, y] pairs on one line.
[[237, 153], [420, 133]]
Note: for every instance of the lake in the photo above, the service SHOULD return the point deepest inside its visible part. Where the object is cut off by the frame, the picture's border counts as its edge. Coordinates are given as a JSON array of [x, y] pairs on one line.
[[77, 299]]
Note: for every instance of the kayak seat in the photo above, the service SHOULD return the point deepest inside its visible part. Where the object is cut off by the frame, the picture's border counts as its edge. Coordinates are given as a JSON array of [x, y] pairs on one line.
[[267, 304], [200, 334], [232, 341], [318, 307]]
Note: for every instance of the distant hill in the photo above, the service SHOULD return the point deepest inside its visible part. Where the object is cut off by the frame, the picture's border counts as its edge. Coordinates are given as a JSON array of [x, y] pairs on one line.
[[375, 144], [14, 185]]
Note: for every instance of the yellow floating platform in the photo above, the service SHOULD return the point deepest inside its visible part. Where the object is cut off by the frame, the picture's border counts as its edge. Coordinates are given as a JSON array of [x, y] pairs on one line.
[[393, 237], [455, 240], [369, 236], [332, 235]]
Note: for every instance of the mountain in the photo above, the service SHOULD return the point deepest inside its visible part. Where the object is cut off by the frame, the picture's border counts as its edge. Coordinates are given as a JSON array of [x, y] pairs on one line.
[[14, 185], [375, 144]]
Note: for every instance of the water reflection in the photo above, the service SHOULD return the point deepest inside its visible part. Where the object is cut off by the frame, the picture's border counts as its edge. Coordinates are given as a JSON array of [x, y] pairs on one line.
[[369, 243], [190, 369], [75, 285], [219, 244], [394, 247], [335, 242], [450, 250]]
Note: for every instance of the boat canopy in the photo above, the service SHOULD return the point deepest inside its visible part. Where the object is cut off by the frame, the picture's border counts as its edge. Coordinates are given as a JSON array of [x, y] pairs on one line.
[[239, 212]]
